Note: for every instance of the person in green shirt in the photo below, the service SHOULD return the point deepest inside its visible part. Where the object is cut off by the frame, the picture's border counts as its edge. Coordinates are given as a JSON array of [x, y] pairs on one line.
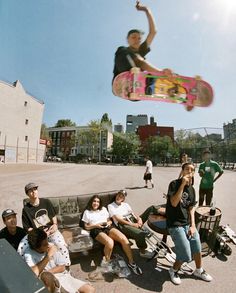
[[207, 170]]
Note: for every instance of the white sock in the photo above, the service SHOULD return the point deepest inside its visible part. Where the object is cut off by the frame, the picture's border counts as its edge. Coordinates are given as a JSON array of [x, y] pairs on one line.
[[200, 270]]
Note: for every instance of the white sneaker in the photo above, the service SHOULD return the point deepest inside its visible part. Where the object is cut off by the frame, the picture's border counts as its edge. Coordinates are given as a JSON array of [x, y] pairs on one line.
[[174, 276], [147, 254], [203, 275]]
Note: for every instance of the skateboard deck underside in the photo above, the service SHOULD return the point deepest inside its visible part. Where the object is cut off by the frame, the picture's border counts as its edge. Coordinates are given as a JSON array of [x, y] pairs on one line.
[[159, 87]]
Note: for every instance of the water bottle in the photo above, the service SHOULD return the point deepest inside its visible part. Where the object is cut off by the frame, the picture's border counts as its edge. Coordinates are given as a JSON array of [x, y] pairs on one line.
[[213, 209]]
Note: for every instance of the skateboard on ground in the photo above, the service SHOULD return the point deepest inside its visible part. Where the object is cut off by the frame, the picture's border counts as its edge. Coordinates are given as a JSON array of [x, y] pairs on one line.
[[229, 232], [136, 85]]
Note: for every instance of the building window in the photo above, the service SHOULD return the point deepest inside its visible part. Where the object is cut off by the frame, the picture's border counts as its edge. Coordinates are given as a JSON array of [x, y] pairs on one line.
[[25, 103], [26, 138], [26, 121]]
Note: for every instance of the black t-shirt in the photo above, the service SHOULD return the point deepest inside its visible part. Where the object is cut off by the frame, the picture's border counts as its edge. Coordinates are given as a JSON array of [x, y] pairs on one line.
[[179, 215], [125, 58], [38, 216], [14, 240]]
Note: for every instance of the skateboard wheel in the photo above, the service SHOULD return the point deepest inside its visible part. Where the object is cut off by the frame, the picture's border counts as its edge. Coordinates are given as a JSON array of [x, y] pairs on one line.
[[135, 70], [133, 97], [189, 108]]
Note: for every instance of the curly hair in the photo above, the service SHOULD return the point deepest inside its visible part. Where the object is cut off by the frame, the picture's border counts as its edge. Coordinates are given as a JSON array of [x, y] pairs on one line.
[[36, 237]]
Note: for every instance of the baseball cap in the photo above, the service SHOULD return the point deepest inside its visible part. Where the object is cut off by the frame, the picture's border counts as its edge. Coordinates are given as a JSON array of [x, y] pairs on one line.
[[30, 186], [134, 31], [7, 213], [124, 192]]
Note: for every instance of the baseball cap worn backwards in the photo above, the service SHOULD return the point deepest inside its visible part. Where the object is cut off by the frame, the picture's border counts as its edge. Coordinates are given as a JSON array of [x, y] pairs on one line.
[[30, 186], [134, 31], [7, 213]]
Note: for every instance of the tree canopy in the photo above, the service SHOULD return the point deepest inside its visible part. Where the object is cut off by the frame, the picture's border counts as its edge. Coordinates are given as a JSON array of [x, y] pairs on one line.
[[64, 123]]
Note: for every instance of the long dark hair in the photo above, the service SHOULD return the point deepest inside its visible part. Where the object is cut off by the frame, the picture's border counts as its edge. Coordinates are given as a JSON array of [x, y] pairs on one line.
[[90, 202]]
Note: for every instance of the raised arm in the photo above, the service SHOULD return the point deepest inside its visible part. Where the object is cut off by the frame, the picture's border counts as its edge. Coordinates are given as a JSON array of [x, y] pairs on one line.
[[151, 22]]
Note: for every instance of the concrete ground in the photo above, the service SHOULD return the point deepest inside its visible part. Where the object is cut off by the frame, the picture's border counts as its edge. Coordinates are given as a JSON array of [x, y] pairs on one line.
[[56, 179]]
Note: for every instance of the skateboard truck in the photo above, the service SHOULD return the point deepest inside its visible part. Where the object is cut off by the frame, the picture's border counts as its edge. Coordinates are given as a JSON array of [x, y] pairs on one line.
[[133, 96]]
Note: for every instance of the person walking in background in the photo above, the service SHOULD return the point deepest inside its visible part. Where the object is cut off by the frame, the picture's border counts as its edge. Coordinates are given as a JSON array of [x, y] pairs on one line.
[[12, 233], [148, 172], [184, 159], [207, 171]]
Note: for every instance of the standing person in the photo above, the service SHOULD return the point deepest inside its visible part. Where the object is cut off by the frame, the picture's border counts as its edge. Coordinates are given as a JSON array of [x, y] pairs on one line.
[[97, 221], [148, 172], [43, 257], [184, 159], [12, 233], [129, 223], [207, 171], [134, 54], [39, 213], [181, 225]]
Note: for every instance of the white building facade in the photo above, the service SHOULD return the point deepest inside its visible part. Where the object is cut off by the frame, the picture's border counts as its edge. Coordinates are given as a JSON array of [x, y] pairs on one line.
[[20, 125]]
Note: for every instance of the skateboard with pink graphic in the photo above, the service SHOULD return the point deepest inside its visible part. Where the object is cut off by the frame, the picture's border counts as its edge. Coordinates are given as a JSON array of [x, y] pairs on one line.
[[136, 85]]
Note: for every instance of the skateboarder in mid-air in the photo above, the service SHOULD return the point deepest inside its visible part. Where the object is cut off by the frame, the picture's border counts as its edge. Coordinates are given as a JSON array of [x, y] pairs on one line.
[[134, 54]]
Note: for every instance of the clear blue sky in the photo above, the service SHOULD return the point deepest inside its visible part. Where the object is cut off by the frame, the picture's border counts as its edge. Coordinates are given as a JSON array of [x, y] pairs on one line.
[[62, 51]]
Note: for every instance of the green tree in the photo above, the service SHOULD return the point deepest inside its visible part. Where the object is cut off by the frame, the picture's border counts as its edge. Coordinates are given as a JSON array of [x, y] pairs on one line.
[[125, 146], [64, 122], [106, 122], [160, 148], [91, 136], [44, 133]]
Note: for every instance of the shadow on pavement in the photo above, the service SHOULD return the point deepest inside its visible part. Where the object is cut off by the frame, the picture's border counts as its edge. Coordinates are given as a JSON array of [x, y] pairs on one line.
[[135, 187]]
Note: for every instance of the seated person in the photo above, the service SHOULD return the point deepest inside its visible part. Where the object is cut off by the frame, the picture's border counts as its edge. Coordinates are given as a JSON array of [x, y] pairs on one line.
[[96, 219], [40, 213], [129, 223], [12, 233], [43, 257], [181, 224]]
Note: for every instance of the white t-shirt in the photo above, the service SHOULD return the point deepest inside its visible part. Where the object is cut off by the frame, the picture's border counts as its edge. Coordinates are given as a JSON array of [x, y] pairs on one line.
[[149, 166], [95, 217], [32, 257], [123, 210]]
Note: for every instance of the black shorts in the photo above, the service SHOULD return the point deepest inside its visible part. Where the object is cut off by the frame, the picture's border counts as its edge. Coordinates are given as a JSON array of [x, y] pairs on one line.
[[147, 176], [94, 232]]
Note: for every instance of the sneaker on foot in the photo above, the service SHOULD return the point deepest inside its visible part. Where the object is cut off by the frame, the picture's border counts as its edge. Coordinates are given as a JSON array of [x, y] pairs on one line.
[[135, 268], [203, 275], [147, 254], [106, 266], [174, 276]]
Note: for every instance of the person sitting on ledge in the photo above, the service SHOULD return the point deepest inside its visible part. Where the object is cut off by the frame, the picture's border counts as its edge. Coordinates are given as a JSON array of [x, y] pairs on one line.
[[97, 221]]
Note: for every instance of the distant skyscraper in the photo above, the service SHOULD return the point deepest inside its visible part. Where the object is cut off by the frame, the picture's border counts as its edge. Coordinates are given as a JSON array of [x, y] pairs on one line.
[[118, 128], [134, 121]]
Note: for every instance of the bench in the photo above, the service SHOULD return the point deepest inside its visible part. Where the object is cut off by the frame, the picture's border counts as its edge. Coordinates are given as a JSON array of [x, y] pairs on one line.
[[69, 210]]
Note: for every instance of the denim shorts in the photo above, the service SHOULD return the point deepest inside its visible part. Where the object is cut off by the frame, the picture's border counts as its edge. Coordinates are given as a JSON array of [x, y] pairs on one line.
[[185, 247]]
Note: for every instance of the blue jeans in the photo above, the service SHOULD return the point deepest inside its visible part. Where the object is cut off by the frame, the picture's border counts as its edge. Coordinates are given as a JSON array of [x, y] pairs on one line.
[[185, 247]]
